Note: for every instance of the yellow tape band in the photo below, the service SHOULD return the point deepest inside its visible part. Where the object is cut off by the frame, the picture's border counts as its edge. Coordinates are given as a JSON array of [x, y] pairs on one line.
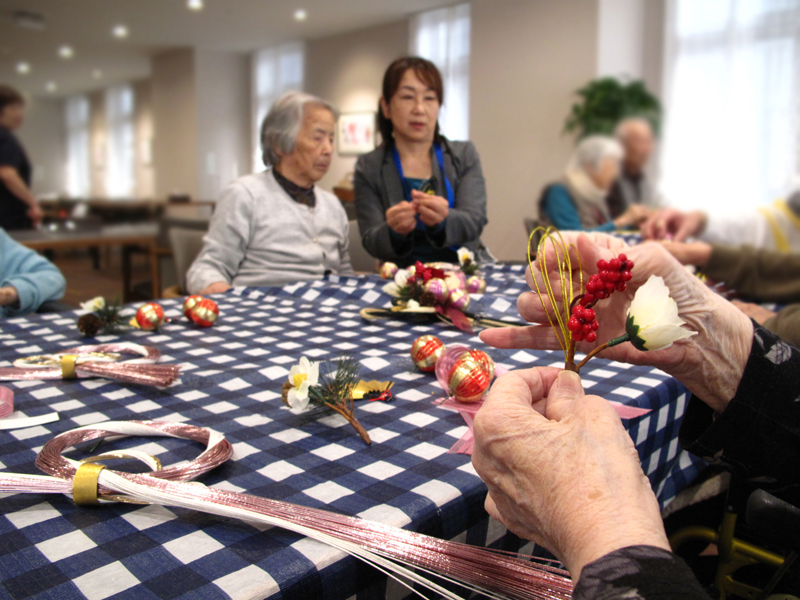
[[84, 485], [781, 244], [68, 366]]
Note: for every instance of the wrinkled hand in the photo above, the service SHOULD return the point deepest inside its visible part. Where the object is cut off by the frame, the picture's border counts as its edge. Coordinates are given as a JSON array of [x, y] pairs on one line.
[[402, 217], [432, 209], [710, 364], [216, 288], [756, 312], [561, 470], [8, 295], [673, 224], [690, 253]]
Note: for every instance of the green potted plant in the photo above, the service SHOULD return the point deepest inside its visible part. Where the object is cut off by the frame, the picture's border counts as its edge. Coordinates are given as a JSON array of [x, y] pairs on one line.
[[606, 101]]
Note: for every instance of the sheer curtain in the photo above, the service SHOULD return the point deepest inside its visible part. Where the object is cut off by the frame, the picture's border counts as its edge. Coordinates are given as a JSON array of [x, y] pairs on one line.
[[77, 121], [732, 100], [442, 36], [120, 148], [275, 71]]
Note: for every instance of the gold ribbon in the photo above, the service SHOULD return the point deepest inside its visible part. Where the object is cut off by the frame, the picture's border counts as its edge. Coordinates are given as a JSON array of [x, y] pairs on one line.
[[84, 485], [68, 366]]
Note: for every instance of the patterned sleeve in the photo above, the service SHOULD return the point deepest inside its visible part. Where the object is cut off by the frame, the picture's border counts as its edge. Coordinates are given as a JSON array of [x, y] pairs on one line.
[[757, 437], [638, 573]]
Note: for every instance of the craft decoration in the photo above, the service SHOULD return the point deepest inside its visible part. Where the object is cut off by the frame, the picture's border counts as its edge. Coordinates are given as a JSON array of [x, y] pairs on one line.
[[329, 385], [389, 270], [476, 285], [150, 316], [407, 556], [466, 260], [11, 420], [570, 307], [481, 358], [425, 351], [188, 304], [104, 317], [468, 380], [204, 313], [373, 390], [104, 360]]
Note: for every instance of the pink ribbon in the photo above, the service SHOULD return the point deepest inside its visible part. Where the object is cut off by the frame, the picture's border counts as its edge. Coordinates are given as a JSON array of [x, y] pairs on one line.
[[6, 402]]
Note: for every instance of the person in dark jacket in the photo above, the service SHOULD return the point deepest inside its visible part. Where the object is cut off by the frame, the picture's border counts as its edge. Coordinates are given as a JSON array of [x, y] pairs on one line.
[[418, 196], [18, 206]]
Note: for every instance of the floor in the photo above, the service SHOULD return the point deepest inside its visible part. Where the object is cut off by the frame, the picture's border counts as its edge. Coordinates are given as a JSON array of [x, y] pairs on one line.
[[85, 282]]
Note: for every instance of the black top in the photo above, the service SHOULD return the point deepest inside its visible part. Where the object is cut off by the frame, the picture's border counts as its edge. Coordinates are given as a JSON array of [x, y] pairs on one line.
[[299, 194], [13, 210]]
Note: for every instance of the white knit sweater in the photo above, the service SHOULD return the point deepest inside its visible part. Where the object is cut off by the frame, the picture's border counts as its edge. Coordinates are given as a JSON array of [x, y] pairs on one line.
[[260, 236]]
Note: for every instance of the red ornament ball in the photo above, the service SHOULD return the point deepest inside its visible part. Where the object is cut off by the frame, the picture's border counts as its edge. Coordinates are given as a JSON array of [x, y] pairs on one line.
[[204, 313], [480, 357], [468, 381], [188, 304], [425, 351], [150, 316]]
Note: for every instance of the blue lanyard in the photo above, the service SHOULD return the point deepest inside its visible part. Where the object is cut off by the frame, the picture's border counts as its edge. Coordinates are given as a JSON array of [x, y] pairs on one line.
[[451, 199]]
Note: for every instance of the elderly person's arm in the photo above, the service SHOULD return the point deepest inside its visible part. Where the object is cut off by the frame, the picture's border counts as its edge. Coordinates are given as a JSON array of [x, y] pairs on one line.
[[346, 266], [27, 280], [226, 243]]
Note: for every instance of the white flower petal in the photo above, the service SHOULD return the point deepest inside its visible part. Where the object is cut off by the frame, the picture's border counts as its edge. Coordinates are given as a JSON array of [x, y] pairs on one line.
[[655, 316], [313, 374], [392, 289], [658, 337], [296, 400]]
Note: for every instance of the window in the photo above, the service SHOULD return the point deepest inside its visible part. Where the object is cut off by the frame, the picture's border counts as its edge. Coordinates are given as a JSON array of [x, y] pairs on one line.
[[275, 71], [120, 148], [442, 36], [77, 116], [733, 93]]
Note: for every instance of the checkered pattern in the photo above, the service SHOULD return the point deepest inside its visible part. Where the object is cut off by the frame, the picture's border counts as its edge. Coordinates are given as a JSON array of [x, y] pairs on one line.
[[231, 382]]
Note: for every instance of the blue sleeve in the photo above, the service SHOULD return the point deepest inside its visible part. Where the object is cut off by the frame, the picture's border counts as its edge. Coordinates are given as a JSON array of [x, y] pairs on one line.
[[561, 211], [34, 277]]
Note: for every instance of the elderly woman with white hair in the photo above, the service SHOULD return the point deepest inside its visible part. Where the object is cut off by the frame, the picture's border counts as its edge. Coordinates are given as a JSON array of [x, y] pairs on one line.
[[578, 200], [276, 227]]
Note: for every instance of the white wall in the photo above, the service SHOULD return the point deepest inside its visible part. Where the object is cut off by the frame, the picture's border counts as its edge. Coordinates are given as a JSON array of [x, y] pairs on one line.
[[43, 135], [620, 38], [347, 70], [222, 89], [527, 59]]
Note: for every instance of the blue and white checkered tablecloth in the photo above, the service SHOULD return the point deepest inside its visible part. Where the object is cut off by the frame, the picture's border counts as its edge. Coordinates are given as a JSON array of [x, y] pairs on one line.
[[231, 382]]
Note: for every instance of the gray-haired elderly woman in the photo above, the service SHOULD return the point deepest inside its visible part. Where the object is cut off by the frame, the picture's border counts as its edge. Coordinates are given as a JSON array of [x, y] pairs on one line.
[[275, 227], [578, 200]]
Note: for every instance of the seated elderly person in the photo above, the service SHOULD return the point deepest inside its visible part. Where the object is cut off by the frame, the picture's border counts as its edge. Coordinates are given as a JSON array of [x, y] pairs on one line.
[[276, 227], [27, 280], [632, 187], [578, 200], [562, 471]]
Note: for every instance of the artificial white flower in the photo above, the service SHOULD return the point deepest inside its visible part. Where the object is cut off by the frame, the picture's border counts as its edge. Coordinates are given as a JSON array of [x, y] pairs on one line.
[[465, 253], [653, 322], [94, 304], [302, 376], [395, 288]]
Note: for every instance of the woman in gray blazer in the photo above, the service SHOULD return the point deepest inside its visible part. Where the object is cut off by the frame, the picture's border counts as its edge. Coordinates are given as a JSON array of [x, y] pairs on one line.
[[419, 196]]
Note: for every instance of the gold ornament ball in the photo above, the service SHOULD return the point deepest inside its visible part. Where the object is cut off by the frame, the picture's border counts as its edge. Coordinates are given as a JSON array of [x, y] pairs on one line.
[[480, 357], [459, 299], [389, 270], [150, 316], [468, 381], [205, 313], [188, 304], [425, 351]]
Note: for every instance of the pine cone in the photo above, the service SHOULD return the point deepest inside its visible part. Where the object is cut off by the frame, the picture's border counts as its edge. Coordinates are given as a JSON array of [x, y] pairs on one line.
[[90, 325], [427, 299]]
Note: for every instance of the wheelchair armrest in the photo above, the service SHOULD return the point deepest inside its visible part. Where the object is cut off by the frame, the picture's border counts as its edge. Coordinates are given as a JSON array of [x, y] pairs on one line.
[[774, 518]]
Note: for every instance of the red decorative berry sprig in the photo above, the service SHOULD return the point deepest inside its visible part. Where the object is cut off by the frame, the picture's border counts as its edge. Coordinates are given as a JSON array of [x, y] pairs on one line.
[[613, 276]]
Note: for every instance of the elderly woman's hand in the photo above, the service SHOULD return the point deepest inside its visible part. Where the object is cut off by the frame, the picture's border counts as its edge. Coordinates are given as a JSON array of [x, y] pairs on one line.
[[432, 209], [710, 364], [561, 470], [672, 224]]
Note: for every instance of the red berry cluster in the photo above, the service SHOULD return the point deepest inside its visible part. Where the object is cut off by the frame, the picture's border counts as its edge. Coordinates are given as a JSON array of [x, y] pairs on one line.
[[613, 276]]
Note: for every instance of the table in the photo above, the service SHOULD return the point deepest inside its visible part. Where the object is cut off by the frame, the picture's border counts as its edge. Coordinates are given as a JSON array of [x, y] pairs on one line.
[[49, 548], [127, 236]]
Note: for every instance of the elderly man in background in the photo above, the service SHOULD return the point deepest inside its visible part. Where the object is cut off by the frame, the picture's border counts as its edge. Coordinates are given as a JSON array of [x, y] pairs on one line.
[[631, 187], [275, 227]]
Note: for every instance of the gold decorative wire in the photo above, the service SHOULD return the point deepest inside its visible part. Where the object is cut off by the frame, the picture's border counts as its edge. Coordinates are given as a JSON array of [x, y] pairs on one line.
[[560, 314]]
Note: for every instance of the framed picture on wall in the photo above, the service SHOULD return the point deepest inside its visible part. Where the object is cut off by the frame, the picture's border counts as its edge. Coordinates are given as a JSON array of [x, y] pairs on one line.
[[356, 133]]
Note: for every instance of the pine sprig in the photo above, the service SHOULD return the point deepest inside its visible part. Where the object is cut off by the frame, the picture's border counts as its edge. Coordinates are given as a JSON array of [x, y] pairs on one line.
[[337, 378]]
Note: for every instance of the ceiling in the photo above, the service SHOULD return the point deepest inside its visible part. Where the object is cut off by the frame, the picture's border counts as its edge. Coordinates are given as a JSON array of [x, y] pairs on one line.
[[158, 25]]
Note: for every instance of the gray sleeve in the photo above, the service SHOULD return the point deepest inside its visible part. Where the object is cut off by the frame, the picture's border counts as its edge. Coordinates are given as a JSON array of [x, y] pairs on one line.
[[226, 242], [371, 214], [466, 221], [346, 267]]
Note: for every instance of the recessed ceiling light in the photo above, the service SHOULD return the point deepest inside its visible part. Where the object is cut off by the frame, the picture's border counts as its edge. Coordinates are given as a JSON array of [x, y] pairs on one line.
[[23, 68], [66, 52], [194, 4], [120, 31], [51, 86], [300, 14], [97, 74]]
